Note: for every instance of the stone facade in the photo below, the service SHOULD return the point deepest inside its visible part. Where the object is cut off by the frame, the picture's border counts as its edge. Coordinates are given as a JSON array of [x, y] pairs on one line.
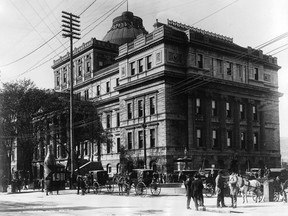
[[192, 93]]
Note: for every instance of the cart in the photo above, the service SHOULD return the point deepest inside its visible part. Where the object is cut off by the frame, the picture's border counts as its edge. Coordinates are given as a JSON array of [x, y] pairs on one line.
[[142, 179], [101, 180]]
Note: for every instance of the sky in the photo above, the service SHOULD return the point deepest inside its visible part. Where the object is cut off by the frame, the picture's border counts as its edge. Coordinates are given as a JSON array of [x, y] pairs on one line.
[[31, 35]]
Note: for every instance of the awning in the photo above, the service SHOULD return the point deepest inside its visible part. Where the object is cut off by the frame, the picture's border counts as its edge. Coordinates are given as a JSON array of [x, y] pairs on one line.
[[184, 159], [89, 166]]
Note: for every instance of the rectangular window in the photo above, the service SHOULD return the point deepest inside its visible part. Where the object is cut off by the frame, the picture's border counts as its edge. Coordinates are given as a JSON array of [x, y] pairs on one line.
[[255, 141], [254, 110], [199, 137], [57, 81], [198, 106], [108, 121], [140, 65], [228, 110], [140, 139], [152, 105], [214, 139], [229, 139], [219, 66], [129, 139], [88, 66], [242, 111], [243, 140], [86, 94], [214, 108], [85, 148], [107, 86], [118, 145], [199, 60], [239, 71], [98, 90], [132, 68], [117, 81], [256, 73], [118, 119], [149, 62], [152, 138], [79, 70], [229, 68], [129, 110], [65, 78], [140, 108]]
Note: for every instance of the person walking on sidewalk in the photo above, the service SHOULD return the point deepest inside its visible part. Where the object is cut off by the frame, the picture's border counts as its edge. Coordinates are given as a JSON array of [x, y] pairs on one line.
[[188, 183], [197, 191], [219, 188], [233, 179]]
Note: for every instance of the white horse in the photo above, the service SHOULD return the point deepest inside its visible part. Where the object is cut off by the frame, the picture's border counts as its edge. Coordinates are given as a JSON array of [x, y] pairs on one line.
[[246, 186]]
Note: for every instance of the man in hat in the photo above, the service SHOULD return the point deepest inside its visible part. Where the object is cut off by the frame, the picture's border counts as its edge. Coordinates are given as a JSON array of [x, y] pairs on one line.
[[197, 191], [233, 179], [219, 188]]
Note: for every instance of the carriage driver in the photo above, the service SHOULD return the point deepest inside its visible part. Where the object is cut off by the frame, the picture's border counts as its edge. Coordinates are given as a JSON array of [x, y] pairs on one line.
[[233, 189]]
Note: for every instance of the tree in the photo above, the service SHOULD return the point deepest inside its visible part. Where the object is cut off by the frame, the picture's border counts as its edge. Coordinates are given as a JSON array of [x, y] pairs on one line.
[[86, 123], [18, 101]]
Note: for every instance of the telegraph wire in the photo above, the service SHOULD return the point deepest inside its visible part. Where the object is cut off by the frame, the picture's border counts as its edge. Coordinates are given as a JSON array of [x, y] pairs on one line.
[[215, 12], [42, 45], [46, 25], [35, 66]]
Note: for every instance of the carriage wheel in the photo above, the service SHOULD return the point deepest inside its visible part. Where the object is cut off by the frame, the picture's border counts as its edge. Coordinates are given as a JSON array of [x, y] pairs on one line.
[[257, 198], [141, 189], [96, 188], [155, 188], [110, 187]]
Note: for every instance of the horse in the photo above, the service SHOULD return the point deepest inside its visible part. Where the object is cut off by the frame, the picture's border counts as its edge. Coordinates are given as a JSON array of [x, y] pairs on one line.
[[244, 185], [121, 181]]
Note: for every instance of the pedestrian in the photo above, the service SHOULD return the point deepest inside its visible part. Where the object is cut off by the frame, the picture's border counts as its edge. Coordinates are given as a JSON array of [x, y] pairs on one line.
[[197, 191], [83, 186], [233, 179], [42, 184], [187, 184], [219, 188], [79, 179]]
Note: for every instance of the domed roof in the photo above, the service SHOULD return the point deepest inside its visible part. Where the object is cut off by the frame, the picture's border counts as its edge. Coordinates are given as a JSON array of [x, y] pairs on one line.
[[125, 28]]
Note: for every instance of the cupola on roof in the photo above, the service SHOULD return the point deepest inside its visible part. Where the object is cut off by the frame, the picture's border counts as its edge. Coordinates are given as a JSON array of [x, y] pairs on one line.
[[125, 28]]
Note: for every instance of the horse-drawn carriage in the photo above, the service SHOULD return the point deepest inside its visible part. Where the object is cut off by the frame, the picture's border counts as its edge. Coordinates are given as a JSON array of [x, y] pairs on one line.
[[141, 179], [100, 180]]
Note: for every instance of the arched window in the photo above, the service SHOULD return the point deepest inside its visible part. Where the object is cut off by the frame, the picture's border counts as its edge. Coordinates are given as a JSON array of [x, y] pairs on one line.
[[109, 168]]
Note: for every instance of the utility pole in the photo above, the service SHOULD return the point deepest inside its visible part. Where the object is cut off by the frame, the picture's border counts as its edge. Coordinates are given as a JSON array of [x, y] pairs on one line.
[[71, 29]]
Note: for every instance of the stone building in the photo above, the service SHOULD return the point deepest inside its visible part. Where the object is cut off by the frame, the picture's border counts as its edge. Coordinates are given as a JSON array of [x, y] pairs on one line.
[[178, 96]]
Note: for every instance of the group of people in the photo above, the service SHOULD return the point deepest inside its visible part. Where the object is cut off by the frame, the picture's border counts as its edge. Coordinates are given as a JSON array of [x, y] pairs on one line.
[[194, 190], [220, 189]]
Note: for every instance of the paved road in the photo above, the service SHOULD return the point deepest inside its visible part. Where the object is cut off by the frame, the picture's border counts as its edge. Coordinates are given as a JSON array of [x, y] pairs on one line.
[[69, 203]]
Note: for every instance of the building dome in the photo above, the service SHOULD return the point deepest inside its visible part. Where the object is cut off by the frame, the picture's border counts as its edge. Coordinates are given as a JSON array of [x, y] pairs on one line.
[[125, 28]]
